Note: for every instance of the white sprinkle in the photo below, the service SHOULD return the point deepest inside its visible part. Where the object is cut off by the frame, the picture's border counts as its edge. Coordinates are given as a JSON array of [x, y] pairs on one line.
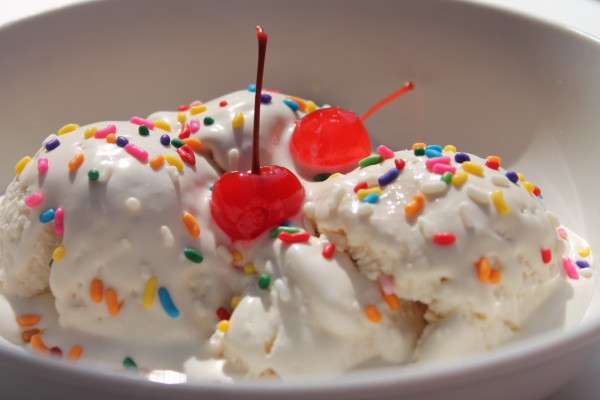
[[434, 187], [166, 236], [173, 174], [372, 181], [500, 180], [145, 271], [269, 267], [552, 219], [225, 254], [387, 286], [105, 175], [199, 307], [426, 227], [364, 210], [234, 159], [466, 212], [335, 198], [309, 209], [282, 290], [586, 272], [477, 195], [133, 204]]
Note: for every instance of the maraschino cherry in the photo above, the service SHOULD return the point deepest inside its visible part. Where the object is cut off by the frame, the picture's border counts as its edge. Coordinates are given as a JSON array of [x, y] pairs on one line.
[[246, 204], [333, 139]]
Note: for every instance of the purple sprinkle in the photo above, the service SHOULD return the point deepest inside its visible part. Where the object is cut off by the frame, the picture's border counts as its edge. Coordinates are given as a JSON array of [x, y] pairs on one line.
[[165, 139], [265, 98], [122, 141], [461, 157], [52, 144], [512, 176], [388, 177], [582, 264]]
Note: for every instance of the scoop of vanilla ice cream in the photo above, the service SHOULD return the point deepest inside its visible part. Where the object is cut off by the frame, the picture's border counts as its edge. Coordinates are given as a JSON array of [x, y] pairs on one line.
[[311, 320], [479, 250]]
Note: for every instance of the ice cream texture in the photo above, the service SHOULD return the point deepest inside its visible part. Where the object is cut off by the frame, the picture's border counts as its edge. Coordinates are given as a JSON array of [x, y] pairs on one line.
[[108, 251]]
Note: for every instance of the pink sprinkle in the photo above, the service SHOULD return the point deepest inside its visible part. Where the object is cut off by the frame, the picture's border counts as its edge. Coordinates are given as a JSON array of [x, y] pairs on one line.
[[570, 268], [137, 152], [59, 224], [104, 132], [195, 103], [328, 250], [441, 168], [385, 152], [387, 286], [195, 125], [431, 162], [562, 233], [34, 199], [142, 121], [42, 165]]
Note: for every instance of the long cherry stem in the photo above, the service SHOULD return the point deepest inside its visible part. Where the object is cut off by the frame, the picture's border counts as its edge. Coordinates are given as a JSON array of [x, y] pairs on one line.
[[407, 87], [262, 49]]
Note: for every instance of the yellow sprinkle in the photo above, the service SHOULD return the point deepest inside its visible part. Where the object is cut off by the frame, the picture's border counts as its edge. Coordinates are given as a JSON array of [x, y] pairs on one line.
[[235, 300], [76, 162], [418, 144], [194, 143], [373, 313], [311, 106], [362, 193], [249, 268], [21, 164], [58, 253], [450, 147], [157, 161], [164, 125], [333, 176], [584, 251], [499, 202], [89, 132], [223, 326], [237, 255], [174, 161], [181, 117], [197, 109], [473, 168], [149, 292], [238, 120], [67, 128], [191, 224], [521, 176], [459, 178], [529, 186]]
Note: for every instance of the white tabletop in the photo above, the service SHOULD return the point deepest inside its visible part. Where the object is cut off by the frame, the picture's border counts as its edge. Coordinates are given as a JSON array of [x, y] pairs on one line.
[[582, 15]]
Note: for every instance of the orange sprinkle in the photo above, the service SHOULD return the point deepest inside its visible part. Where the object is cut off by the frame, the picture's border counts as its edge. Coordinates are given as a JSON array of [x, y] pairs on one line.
[[373, 313], [111, 138], [112, 302], [75, 353], [191, 224], [26, 335], [415, 206], [157, 161], [417, 145], [495, 276], [96, 289], [494, 158], [76, 162], [28, 319], [301, 102], [38, 344], [194, 143], [483, 269], [392, 300]]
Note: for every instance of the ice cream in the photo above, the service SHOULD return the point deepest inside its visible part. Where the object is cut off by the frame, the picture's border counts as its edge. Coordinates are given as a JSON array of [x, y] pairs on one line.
[[110, 225]]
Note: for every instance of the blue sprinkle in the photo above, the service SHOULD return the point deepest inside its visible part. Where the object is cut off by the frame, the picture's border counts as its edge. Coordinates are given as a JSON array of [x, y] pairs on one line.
[[122, 141], [371, 198], [292, 104], [461, 157], [286, 223], [432, 153], [435, 147], [582, 264], [541, 197], [252, 88], [165, 139], [265, 98], [47, 216], [388, 176], [52, 144], [167, 302], [512, 176]]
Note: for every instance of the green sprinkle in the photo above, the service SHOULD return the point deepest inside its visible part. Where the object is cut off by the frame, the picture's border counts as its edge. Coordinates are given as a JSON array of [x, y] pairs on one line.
[[129, 364], [50, 263], [290, 229], [143, 130], [321, 177], [208, 121], [419, 151], [370, 160], [93, 174], [177, 142], [264, 281], [193, 255], [211, 187], [447, 177]]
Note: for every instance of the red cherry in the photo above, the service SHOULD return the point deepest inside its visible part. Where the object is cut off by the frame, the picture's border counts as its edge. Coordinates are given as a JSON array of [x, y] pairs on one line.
[[330, 140], [244, 204]]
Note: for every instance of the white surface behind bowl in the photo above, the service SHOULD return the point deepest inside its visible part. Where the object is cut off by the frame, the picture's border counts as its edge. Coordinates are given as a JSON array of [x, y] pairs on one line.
[[487, 81]]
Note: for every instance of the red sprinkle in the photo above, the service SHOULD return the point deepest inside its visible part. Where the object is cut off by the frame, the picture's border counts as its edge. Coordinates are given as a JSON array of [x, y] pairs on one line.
[[546, 255], [360, 185], [223, 314], [184, 107], [186, 131], [493, 164], [444, 238], [328, 250], [222, 103], [289, 238], [400, 164], [187, 154], [537, 191]]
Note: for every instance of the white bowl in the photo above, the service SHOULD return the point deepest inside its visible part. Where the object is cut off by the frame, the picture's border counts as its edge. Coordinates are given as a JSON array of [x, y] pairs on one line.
[[487, 80]]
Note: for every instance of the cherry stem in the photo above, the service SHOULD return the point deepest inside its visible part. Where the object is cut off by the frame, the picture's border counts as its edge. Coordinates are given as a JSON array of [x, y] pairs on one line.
[[262, 49], [408, 86]]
